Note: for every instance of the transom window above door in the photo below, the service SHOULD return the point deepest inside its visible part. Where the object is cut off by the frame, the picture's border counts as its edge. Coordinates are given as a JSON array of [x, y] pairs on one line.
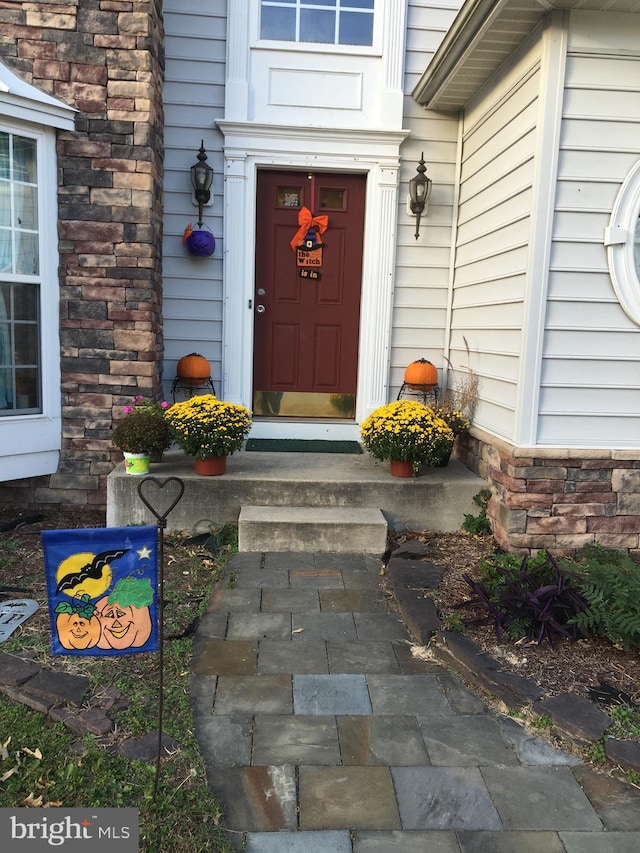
[[348, 22]]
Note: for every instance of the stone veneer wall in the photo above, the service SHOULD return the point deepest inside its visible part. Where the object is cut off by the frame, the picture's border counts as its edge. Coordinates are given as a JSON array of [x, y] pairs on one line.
[[557, 498], [106, 59]]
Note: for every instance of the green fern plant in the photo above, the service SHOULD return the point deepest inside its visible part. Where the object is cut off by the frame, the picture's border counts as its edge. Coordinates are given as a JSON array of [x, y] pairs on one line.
[[609, 581]]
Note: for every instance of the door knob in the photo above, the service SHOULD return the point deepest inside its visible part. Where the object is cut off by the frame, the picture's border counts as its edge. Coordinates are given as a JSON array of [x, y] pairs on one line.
[[260, 309]]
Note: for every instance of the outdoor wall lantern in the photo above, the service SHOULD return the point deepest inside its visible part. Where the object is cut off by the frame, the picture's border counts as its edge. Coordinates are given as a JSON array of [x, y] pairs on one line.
[[201, 180], [419, 192], [200, 240]]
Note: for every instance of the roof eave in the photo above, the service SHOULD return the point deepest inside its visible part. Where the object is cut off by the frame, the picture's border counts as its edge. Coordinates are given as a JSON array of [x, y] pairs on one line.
[[21, 100], [471, 22]]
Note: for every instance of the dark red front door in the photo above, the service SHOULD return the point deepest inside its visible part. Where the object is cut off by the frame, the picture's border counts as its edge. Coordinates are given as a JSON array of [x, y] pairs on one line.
[[307, 318]]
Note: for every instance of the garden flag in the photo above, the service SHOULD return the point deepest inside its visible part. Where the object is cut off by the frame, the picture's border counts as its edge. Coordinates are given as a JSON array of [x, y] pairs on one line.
[[102, 586]]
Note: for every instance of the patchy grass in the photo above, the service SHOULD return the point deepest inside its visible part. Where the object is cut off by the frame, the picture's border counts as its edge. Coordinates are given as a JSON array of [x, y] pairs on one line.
[[42, 763]]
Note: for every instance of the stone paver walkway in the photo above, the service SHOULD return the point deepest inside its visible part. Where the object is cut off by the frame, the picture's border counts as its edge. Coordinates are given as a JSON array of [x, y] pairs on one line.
[[322, 733]]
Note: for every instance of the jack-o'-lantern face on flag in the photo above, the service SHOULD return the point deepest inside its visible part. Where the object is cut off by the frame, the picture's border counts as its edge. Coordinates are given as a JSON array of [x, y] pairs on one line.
[[124, 615], [102, 586]]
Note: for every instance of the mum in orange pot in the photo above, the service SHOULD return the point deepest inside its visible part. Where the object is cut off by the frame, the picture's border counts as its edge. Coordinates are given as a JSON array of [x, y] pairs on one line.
[[206, 428]]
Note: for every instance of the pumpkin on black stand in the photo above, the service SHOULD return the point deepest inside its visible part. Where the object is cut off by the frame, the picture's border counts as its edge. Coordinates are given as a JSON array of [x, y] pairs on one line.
[[421, 375], [193, 369]]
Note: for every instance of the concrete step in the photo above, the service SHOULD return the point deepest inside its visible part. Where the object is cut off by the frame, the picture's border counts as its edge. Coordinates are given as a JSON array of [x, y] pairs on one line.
[[306, 528], [438, 499]]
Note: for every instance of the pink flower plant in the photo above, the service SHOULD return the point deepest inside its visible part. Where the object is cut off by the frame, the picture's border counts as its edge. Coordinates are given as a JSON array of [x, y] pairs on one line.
[[140, 402]]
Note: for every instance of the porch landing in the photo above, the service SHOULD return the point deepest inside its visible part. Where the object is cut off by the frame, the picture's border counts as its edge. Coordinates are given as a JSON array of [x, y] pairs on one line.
[[436, 500]]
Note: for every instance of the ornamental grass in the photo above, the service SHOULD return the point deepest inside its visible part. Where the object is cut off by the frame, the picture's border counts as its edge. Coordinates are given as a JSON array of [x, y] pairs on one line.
[[456, 419], [407, 431], [204, 426]]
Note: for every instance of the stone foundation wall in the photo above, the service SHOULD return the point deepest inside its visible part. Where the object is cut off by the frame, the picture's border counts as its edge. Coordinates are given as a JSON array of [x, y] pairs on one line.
[[557, 499], [106, 59]]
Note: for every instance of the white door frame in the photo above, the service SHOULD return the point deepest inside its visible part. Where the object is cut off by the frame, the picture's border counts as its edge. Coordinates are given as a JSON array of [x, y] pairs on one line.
[[249, 147]]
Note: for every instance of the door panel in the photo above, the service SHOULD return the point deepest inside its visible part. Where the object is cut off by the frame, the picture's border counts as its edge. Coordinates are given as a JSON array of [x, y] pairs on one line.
[[284, 368], [328, 339], [306, 328]]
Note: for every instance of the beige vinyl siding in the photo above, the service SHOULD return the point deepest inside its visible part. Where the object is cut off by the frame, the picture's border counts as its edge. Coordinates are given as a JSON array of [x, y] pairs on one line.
[[493, 244], [590, 393], [193, 99], [422, 265]]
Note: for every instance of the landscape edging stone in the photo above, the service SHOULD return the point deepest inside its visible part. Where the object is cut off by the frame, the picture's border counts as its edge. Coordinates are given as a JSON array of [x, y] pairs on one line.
[[579, 723]]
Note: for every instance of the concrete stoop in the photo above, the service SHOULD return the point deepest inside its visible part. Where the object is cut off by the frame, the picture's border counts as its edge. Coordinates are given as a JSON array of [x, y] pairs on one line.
[[303, 528], [331, 484]]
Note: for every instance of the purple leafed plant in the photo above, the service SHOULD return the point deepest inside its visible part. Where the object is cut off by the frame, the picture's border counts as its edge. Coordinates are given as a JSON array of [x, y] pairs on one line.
[[535, 600]]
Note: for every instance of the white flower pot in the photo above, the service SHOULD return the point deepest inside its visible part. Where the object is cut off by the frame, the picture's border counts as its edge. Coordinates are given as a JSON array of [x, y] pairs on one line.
[[136, 463]]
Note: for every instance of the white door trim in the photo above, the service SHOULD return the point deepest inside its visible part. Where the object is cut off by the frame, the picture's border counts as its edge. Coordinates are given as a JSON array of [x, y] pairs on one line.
[[249, 147]]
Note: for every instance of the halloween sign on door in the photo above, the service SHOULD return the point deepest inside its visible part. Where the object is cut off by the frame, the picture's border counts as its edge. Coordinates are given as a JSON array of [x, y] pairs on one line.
[[102, 586], [307, 244]]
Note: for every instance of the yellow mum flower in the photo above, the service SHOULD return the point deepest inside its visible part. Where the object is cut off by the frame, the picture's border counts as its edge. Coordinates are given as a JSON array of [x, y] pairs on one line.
[[409, 431], [205, 426]]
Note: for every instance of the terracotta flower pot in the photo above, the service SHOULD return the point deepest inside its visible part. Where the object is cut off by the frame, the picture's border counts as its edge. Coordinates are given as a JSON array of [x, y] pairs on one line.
[[212, 466], [401, 469]]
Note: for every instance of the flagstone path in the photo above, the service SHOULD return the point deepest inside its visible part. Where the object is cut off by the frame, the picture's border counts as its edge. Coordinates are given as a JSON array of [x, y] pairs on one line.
[[322, 733]]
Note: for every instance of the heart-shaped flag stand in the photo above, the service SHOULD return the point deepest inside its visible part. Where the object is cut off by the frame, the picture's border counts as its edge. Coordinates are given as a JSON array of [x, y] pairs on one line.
[[151, 492], [152, 495]]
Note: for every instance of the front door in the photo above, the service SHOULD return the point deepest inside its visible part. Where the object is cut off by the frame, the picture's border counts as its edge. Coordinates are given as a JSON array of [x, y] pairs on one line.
[[307, 296]]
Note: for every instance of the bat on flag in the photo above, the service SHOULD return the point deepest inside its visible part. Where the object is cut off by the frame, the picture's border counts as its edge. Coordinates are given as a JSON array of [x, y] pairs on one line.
[[92, 570]]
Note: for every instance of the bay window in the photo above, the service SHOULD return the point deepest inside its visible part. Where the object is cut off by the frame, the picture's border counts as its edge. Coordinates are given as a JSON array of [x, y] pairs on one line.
[[20, 371], [30, 393]]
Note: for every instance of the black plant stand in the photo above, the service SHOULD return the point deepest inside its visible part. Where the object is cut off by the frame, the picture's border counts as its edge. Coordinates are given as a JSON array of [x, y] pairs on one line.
[[427, 393], [179, 383]]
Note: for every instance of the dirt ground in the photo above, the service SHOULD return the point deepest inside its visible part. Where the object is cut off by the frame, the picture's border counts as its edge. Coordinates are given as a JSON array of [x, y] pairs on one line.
[[567, 667]]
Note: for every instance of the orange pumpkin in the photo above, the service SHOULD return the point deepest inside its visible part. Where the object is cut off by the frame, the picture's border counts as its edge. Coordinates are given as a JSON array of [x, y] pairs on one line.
[[76, 624], [193, 369], [123, 626], [124, 614], [421, 375]]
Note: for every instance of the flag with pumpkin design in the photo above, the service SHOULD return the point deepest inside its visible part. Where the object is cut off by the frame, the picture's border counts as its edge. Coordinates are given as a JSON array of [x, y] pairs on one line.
[[102, 588]]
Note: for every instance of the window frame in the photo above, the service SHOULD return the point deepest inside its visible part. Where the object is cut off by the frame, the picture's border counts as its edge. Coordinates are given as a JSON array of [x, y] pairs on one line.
[[30, 443], [620, 239], [24, 278], [374, 49]]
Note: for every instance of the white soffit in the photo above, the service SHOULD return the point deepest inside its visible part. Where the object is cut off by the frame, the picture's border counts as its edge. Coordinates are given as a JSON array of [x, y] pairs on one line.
[[20, 100], [483, 35]]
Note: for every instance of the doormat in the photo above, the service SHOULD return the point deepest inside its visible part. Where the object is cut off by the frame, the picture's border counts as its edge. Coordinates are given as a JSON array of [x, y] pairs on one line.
[[295, 445]]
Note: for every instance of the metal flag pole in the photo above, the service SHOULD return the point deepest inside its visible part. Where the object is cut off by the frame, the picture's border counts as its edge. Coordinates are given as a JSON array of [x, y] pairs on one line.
[[161, 518]]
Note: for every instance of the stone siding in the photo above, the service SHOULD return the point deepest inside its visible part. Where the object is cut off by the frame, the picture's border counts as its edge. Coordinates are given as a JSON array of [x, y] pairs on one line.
[[557, 498], [106, 59]]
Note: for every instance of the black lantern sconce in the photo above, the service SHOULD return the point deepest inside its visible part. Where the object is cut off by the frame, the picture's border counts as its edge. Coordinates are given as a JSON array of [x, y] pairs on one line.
[[201, 180], [200, 241], [419, 192]]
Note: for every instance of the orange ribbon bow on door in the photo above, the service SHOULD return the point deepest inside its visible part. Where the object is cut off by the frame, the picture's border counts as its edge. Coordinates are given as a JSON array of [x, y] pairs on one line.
[[307, 220]]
